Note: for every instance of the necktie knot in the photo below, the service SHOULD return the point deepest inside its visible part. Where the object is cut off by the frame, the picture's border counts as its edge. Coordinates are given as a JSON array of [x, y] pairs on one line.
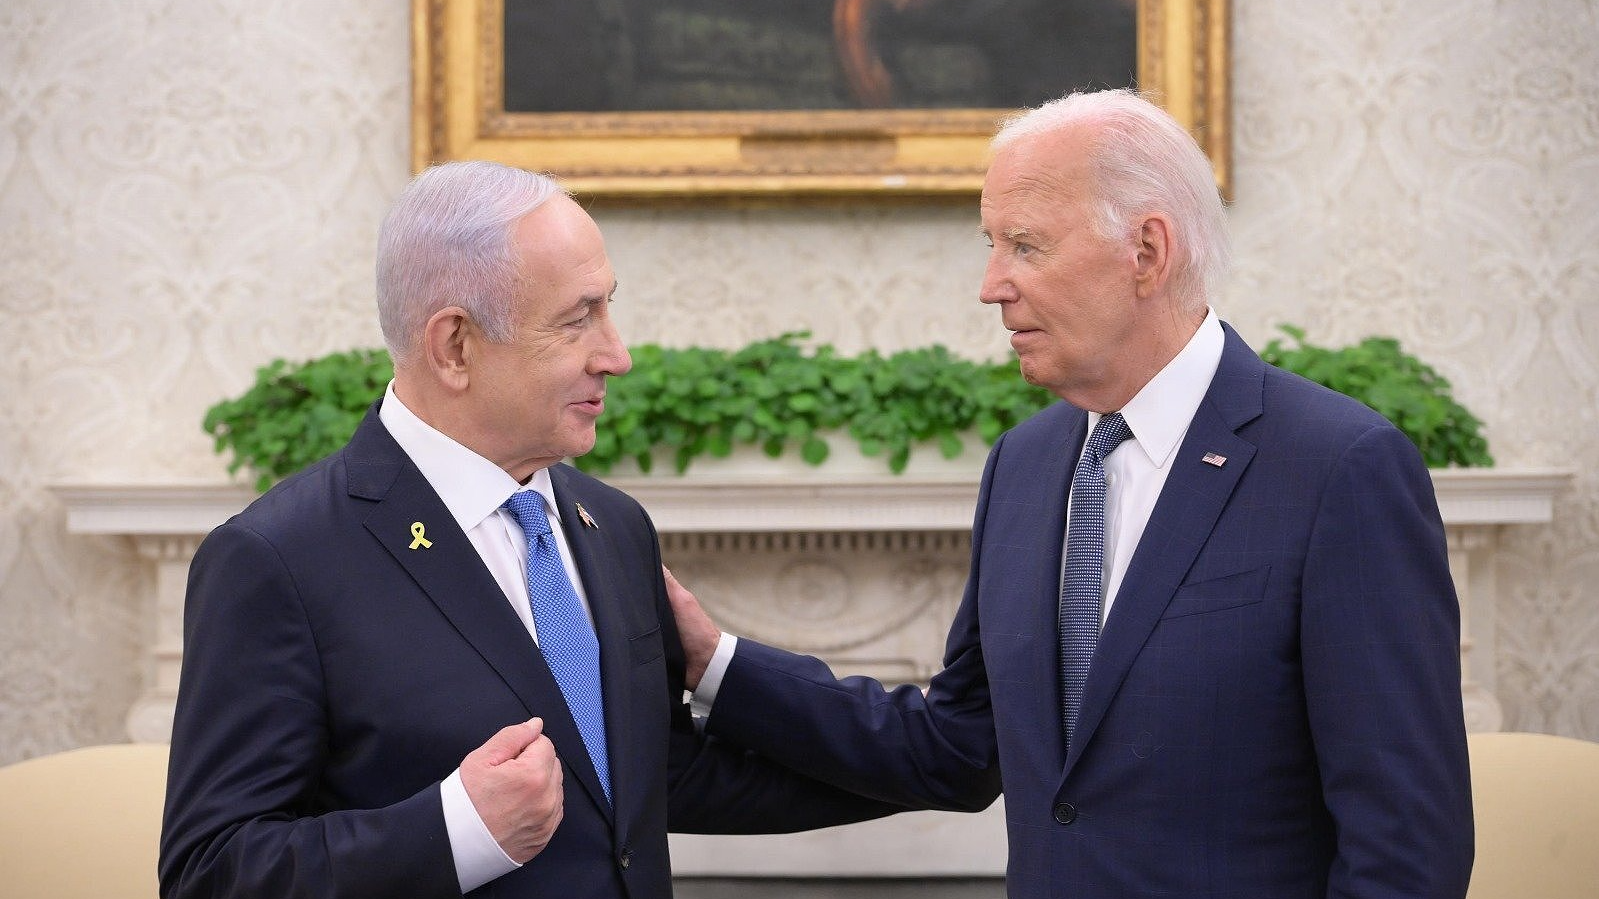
[[528, 507], [1108, 434]]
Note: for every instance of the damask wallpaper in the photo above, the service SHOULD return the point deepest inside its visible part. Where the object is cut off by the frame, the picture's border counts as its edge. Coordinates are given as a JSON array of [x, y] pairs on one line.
[[189, 190]]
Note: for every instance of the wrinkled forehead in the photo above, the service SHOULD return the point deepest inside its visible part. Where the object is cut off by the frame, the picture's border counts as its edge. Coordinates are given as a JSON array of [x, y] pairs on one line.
[[1039, 172]]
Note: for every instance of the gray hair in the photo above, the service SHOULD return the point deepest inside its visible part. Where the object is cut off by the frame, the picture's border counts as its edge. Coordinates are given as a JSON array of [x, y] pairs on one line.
[[1144, 162], [447, 242]]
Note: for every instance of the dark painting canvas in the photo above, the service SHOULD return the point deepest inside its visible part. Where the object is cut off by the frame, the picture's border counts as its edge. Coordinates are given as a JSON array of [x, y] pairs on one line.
[[745, 55]]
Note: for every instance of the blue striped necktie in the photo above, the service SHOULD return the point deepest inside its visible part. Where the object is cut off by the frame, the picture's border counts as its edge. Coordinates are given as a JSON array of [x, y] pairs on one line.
[[1082, 585], [565, 634]]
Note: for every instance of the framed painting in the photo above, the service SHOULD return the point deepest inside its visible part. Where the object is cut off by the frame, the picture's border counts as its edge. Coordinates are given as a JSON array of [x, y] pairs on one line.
[[675, 98]]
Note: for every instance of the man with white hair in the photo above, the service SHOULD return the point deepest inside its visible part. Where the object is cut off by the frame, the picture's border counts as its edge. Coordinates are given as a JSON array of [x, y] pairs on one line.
[[1209, 642], [439, 660]]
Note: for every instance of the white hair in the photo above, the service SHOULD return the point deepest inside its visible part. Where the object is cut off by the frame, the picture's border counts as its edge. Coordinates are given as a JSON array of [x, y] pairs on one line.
[[1144, 162], [447, 242]]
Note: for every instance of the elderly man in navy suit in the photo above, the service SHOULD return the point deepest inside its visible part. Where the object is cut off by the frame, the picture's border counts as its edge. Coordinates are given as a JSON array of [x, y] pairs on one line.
[[439, 662], [1209, 642]]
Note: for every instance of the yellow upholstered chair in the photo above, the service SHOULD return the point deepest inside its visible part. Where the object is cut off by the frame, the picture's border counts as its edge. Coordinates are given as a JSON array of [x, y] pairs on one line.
[[1537, 809], [82, 824]]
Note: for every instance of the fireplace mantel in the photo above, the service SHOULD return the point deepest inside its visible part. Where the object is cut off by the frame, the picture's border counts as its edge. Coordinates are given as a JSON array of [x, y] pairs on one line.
[[688, 504]]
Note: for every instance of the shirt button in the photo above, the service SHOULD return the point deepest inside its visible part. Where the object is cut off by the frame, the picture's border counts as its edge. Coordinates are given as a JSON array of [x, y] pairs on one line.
[[1110, 479], [1065, 812]]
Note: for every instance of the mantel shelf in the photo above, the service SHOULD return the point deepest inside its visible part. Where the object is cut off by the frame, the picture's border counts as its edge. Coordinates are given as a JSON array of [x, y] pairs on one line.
[[706, 504]]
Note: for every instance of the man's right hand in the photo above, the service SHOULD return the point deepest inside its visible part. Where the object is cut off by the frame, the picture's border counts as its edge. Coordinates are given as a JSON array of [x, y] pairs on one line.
[[695, 628], [514, 782]]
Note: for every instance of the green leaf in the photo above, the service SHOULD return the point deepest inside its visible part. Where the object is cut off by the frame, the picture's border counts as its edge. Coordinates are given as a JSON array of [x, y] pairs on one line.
[[814, 451], [898, 458]]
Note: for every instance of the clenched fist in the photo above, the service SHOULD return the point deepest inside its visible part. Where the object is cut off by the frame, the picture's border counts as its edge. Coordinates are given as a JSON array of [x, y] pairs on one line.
[[514, 781]]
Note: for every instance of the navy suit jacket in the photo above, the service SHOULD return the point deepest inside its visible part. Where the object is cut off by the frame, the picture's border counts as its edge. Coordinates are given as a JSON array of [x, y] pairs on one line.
[[1274, 707], [333, 676]]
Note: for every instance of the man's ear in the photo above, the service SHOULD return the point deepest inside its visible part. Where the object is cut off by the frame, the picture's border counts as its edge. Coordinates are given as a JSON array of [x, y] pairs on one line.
[[445, 346], [1153, 264]]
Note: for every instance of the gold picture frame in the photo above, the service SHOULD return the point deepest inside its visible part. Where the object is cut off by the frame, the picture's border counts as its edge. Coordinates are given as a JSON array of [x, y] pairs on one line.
[[458, 113]]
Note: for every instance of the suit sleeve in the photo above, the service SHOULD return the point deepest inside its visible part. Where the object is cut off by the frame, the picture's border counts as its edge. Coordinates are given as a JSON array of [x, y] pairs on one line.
[[716, 787], [935, 750], [1381, 646], [245, 815]]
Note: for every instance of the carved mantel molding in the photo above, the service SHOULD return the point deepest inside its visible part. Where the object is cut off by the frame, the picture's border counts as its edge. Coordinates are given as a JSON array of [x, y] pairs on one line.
[[886, 543]]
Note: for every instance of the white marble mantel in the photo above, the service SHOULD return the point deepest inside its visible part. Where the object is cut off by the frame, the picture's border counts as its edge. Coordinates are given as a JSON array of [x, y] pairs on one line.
[[705, 514], [1466, 497]]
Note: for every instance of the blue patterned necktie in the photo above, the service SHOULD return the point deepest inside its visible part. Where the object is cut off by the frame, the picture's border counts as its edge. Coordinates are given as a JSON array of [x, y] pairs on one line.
[[1082, 585], [566, 637]]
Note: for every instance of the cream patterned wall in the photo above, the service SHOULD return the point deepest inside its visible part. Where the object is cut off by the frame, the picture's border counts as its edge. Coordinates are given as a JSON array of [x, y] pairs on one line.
[[188, 190]]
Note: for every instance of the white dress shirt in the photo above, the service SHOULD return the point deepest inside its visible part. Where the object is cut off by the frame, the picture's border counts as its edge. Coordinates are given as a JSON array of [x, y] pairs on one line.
[[1135, 471], [473, 489]]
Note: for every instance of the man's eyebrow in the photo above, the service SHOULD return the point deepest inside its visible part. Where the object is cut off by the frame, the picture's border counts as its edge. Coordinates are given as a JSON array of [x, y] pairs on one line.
[[1011, 234], [590, 300]]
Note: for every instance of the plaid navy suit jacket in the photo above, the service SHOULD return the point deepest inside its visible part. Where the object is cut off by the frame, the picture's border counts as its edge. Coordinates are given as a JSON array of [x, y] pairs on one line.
[[1274, 707]]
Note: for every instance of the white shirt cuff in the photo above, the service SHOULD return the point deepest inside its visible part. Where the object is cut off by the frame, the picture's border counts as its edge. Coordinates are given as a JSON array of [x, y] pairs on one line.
[[478, 858], [704, 697]]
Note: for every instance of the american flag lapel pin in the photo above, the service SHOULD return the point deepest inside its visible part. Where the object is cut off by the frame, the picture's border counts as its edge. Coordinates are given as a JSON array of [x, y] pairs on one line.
[[1216, 459], [588, 520]]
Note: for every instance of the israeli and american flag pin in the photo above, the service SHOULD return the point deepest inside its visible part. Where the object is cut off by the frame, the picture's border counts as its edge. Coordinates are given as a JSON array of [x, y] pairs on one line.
[[588, 520]]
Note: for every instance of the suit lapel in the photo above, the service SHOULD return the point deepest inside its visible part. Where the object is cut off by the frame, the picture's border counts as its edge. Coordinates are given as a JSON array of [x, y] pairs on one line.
[[1046, 486], [1189, 505], [599, 564], [456, 581]]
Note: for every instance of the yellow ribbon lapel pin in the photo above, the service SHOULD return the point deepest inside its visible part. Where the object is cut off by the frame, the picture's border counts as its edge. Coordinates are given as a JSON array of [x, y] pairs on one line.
[[419, 538]]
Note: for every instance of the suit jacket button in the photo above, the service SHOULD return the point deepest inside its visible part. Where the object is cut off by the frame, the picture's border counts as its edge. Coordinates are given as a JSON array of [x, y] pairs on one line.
[[625, 858], [1065, 812]]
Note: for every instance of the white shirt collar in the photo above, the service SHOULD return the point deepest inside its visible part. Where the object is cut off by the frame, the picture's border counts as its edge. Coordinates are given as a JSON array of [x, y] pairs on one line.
[[471, 486], [1158, 414]]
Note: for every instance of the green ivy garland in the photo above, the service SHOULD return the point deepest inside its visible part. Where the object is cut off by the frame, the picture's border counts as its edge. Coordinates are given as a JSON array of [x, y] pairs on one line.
[[702, 402], [698, 402], [1400, 387], [297, 413]]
